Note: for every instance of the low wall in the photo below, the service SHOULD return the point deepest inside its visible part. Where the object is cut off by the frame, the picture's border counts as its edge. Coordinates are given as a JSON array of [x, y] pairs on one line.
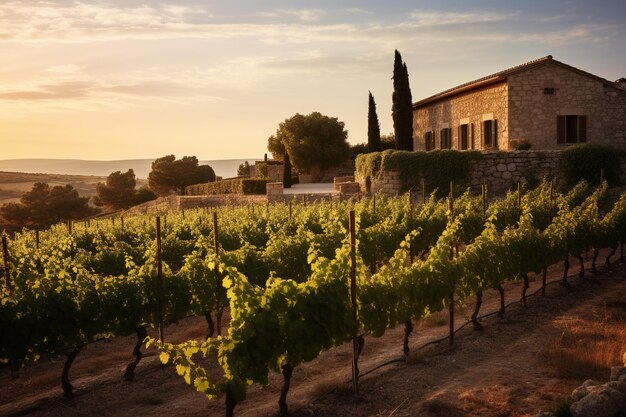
[[174, 202], [500, 171]]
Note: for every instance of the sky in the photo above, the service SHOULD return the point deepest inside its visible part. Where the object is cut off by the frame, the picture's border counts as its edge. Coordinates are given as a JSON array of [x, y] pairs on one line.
[[122, 79]]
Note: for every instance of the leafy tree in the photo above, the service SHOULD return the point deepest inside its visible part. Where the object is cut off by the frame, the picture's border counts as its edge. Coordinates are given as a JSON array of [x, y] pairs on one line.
[[243, 169], [119, 191], [170, 175], [143, 194], [314, 142], [373, 127], [402, 110], [43, 206], [286, 171]]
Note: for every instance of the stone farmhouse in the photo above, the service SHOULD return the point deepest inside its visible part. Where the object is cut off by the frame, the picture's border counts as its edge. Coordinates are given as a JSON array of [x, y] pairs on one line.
[[545, 102]]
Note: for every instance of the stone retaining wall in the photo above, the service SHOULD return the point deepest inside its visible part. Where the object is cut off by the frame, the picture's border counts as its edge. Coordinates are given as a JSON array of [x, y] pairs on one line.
[[499, 170]]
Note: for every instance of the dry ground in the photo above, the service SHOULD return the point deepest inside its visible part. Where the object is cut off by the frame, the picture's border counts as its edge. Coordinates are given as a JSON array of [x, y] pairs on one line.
[[515, 367]]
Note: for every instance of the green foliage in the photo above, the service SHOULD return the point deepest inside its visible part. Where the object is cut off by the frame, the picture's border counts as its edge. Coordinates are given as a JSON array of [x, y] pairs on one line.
[[437, 167], [287, 171], [119, 191], [43, 206], [373, 127], [245, 186], [315, 142], [584, 162], [170, 175], [284, 277], [402, 107], [243, 169]]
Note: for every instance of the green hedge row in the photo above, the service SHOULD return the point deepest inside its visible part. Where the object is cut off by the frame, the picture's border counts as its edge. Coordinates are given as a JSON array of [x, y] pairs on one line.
[[584, 162], [437, 167], [244, 186]]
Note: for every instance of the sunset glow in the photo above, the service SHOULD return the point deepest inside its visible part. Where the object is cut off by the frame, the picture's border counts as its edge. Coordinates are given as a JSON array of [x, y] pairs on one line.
[[134, 79]]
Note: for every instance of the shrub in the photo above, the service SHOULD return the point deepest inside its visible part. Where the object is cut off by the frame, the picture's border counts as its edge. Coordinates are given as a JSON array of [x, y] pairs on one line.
[[584, 162], [437, 167], [244, 186], [520, 145]]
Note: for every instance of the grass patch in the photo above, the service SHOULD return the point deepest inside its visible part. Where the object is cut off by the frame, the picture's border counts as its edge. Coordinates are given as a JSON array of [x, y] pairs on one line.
[[578, 354]]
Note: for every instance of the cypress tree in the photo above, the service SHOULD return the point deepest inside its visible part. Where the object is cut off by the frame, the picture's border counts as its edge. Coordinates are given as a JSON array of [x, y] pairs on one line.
[[373, 127], [402, 110], [286, 171]]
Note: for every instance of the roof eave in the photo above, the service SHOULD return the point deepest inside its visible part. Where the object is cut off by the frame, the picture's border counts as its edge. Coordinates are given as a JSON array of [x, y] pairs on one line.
[[459, 91]]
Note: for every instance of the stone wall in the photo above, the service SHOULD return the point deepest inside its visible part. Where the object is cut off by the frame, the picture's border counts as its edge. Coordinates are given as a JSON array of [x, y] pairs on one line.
[[502, 170], [533, 114], [499, 170], [487, 103]]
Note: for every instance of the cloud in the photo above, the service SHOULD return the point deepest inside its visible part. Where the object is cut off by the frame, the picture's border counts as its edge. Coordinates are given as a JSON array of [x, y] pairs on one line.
[[357, 10], [305, 15], [39, 20], [68, 69], [424, 18], [62, 90]]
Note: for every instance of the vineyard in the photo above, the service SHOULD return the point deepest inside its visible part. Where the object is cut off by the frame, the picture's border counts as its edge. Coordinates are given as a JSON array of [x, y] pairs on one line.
[[296, 280]]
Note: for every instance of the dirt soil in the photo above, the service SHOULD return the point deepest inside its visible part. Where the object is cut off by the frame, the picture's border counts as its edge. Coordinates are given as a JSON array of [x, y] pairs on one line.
[[507, 369]]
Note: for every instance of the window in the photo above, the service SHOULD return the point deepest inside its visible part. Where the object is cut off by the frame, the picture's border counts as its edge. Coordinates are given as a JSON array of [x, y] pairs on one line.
[[446, 138], [571, 129], [463, 137], [549, 91], [429, 140], [490, 134]]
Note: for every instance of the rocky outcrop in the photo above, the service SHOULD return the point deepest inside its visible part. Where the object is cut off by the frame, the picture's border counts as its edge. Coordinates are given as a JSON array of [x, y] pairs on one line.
[[594, 399]]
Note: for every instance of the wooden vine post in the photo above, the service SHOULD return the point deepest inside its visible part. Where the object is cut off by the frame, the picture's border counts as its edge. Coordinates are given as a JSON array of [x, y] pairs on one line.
[[451, 307], [290, 209], [357, 341], [5, 258], [216, 247], [601, 175], [479, 294], [160, 279], [122, 223], [69, 227], [423, 191], [519, 198], [36, 238]]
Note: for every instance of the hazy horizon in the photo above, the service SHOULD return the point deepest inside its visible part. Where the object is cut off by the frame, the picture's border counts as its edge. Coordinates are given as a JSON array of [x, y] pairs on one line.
[[141, 166], [130, 79]]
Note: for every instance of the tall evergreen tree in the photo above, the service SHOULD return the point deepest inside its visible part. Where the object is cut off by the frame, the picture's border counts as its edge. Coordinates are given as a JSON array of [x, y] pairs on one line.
[[402, 110], [373, 127], [286, 171]]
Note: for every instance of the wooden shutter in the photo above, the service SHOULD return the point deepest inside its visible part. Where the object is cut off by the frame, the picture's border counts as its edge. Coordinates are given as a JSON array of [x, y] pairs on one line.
[[458, 139], [560, 129], [486, 134], [471, 135], [582, 128], [494, 133]]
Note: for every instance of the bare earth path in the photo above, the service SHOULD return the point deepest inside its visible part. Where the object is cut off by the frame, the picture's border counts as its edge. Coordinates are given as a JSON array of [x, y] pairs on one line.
[[508, 369]]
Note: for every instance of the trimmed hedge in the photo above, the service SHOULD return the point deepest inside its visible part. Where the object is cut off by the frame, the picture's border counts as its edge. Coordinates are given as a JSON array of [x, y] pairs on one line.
[[584, 162], [437, 167], [245, 186]]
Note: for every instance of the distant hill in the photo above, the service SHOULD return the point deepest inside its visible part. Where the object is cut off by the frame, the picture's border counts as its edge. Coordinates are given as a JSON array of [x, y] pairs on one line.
[[14, 184], [223, 167]]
